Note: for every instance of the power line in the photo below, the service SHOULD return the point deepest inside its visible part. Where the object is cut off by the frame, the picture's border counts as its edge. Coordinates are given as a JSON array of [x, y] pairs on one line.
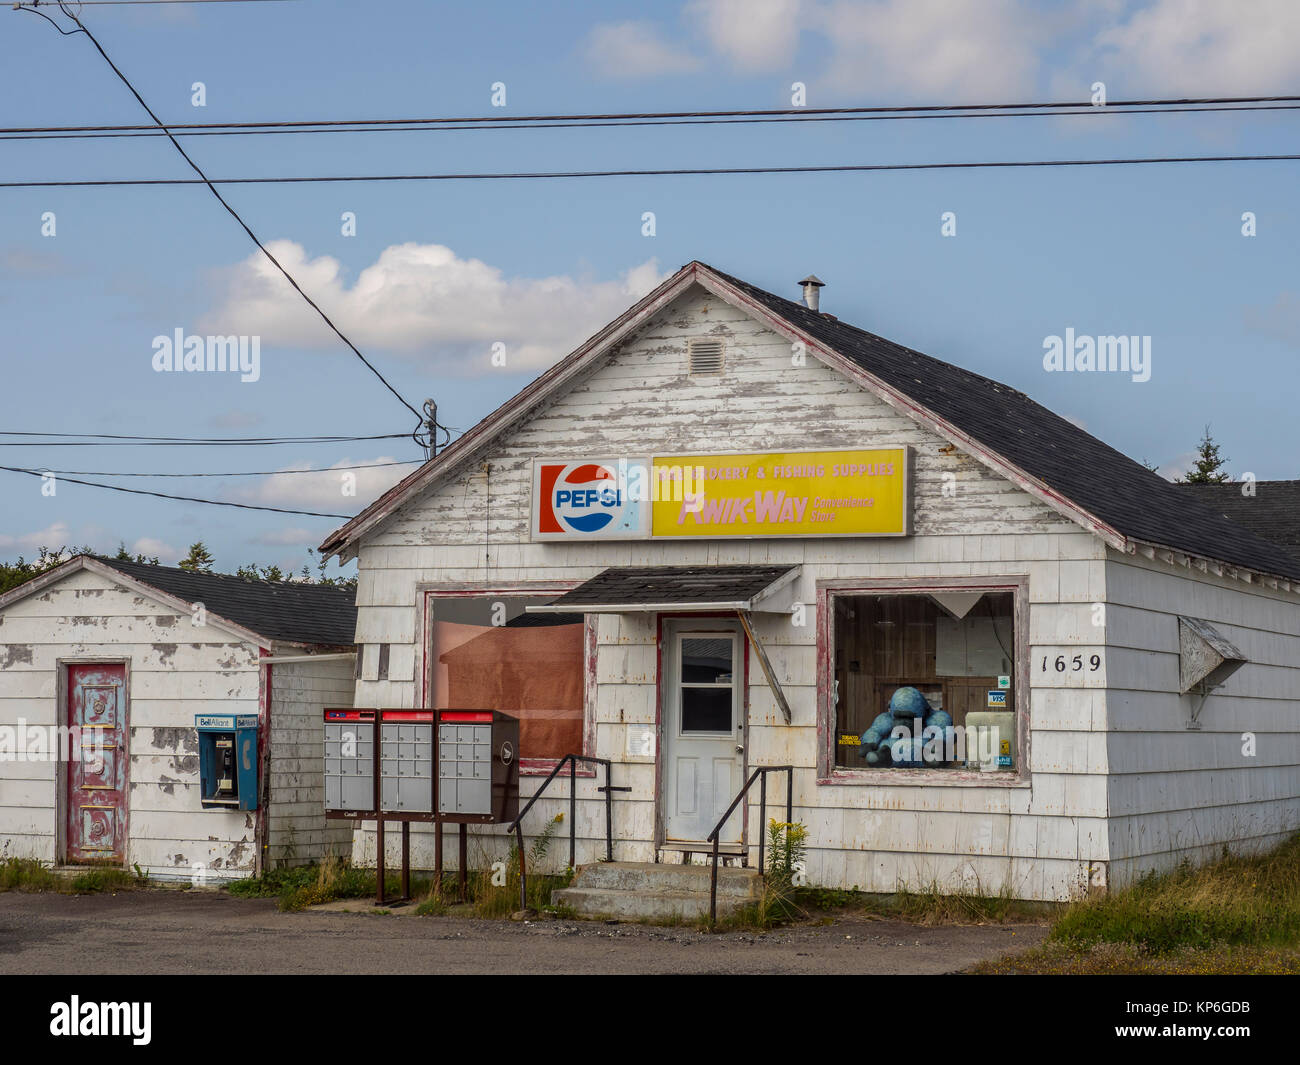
[[239, 129], [185, 499], [235, 215], [33, 4], [131, 438], [788, 112], [701, 171], [232, 473]]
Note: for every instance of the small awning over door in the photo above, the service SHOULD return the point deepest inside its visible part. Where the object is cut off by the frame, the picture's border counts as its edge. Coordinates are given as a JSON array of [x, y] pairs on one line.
[[684, 589]]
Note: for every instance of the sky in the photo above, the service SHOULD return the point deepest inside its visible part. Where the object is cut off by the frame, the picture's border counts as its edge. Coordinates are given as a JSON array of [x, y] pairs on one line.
[[437, 275]]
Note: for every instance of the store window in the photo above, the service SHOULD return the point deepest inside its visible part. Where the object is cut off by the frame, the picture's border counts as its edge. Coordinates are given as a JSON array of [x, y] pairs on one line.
[[487, 653], [924, 680]]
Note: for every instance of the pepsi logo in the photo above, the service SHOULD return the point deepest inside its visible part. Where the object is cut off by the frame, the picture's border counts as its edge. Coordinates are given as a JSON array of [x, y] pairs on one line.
[[580, 497]]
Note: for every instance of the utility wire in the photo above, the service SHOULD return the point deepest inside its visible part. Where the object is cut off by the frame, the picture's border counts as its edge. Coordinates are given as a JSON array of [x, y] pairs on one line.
[[243, 225], [213, 439], [700, 171], [790, 112], [233, 473], [436, 125], [185, 499], [143, 441]]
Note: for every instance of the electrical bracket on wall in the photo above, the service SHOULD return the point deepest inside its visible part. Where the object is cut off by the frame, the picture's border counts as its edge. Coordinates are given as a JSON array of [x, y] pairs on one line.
[[1206, 659]]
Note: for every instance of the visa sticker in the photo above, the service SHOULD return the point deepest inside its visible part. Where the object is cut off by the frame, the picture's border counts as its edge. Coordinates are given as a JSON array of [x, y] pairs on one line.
[[998, 700]]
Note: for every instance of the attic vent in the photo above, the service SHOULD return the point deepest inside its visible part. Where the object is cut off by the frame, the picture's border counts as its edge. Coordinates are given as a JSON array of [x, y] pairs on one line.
[[706, 357]]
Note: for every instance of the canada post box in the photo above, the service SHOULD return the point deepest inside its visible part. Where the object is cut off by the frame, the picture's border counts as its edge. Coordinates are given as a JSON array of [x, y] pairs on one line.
[[406, 761], [228, 760], [478, 766], [350, 762]]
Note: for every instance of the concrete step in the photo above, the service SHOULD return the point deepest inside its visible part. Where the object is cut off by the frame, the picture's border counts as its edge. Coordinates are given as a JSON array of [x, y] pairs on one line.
[[648, 906], [654, 877], [651, 891]]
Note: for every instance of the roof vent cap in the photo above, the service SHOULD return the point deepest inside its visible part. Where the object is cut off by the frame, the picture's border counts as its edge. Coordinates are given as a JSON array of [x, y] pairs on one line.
[[811, 284]]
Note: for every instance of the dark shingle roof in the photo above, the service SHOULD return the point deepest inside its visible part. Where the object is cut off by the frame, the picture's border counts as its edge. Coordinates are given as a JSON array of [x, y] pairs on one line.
[[1122, 493], [279, 610], [1272, 512], [683, 585]]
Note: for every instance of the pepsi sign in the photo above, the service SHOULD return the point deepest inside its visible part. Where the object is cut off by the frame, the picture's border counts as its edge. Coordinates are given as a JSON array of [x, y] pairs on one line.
[[590, 499]]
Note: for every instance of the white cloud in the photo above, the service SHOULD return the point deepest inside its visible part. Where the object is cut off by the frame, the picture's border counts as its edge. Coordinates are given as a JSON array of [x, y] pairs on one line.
[[635, 50], [1203, 48], [1178, 467], [152, 548], [235, 419], [1278, 321], [323, 489], [52, 536], [423, 301], [949, 50], [287, 537], [751, 34], [981, 50]]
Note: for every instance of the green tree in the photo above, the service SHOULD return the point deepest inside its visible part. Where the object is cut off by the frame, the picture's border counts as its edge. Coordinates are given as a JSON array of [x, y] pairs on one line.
[[12, 574], [199, 558], [1208, 468]]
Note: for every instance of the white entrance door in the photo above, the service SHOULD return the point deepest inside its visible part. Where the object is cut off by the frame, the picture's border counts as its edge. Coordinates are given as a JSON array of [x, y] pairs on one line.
[[704, 730]]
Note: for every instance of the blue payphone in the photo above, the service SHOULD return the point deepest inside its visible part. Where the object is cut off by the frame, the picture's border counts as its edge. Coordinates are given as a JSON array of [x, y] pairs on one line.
[[228, 758]]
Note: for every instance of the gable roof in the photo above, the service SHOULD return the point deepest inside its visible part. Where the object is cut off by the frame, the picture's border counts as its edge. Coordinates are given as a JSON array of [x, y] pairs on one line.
[[267, 611], [1271, 512], [1068, 469]]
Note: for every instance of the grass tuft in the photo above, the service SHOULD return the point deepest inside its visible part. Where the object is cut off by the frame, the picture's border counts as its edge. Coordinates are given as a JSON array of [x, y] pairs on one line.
[[1237, 901]]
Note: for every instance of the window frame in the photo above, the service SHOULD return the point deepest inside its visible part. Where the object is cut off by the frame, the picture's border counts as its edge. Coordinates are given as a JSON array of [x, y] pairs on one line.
[[828, 773], [737, 699], [429, 594]]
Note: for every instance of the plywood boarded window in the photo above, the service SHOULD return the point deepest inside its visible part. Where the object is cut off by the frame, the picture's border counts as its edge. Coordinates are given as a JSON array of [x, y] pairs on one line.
[[924, 680], [488, 654]]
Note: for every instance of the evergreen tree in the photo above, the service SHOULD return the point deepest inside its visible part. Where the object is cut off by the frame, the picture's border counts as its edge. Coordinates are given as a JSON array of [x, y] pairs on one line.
[[199, 558], [1208, 468]]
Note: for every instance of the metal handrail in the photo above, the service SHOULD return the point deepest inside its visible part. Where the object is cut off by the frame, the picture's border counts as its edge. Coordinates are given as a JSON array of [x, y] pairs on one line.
[[514, 826], [760, 773]]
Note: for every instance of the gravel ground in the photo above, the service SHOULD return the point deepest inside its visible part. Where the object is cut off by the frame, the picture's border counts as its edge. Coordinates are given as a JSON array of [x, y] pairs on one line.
[[201, 932]]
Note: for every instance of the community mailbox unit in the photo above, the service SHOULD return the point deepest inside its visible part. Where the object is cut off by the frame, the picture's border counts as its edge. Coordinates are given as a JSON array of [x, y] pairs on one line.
[[475, 752], [228, 760]]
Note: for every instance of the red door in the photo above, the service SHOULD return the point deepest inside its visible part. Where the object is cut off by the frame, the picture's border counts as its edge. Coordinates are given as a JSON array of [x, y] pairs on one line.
[[97, 779]]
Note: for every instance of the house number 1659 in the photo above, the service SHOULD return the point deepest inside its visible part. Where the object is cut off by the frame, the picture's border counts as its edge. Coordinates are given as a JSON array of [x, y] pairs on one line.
[[1073, 664]]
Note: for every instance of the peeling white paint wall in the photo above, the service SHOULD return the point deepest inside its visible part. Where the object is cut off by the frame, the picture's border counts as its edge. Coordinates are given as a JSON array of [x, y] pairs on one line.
[[1175, 792], [1038, 842], [175, 670], [298, 832]]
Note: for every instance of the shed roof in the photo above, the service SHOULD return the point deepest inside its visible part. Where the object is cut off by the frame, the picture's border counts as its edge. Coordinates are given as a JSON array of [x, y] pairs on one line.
[[1080, 476], [289, 611], [313, 615]]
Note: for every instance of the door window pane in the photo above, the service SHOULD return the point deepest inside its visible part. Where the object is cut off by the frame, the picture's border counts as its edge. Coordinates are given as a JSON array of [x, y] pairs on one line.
[[706, 709], [706, 660]]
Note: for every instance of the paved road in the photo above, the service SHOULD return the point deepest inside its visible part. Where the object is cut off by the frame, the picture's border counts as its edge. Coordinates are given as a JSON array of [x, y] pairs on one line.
[[173, 932]]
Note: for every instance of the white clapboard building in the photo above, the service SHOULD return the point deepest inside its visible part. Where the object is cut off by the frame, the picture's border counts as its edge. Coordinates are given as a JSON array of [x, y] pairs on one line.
[[730, 531], [202, 695]]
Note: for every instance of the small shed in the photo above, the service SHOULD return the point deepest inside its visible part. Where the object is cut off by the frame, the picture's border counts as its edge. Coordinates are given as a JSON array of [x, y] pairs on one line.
[[115, 675]]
